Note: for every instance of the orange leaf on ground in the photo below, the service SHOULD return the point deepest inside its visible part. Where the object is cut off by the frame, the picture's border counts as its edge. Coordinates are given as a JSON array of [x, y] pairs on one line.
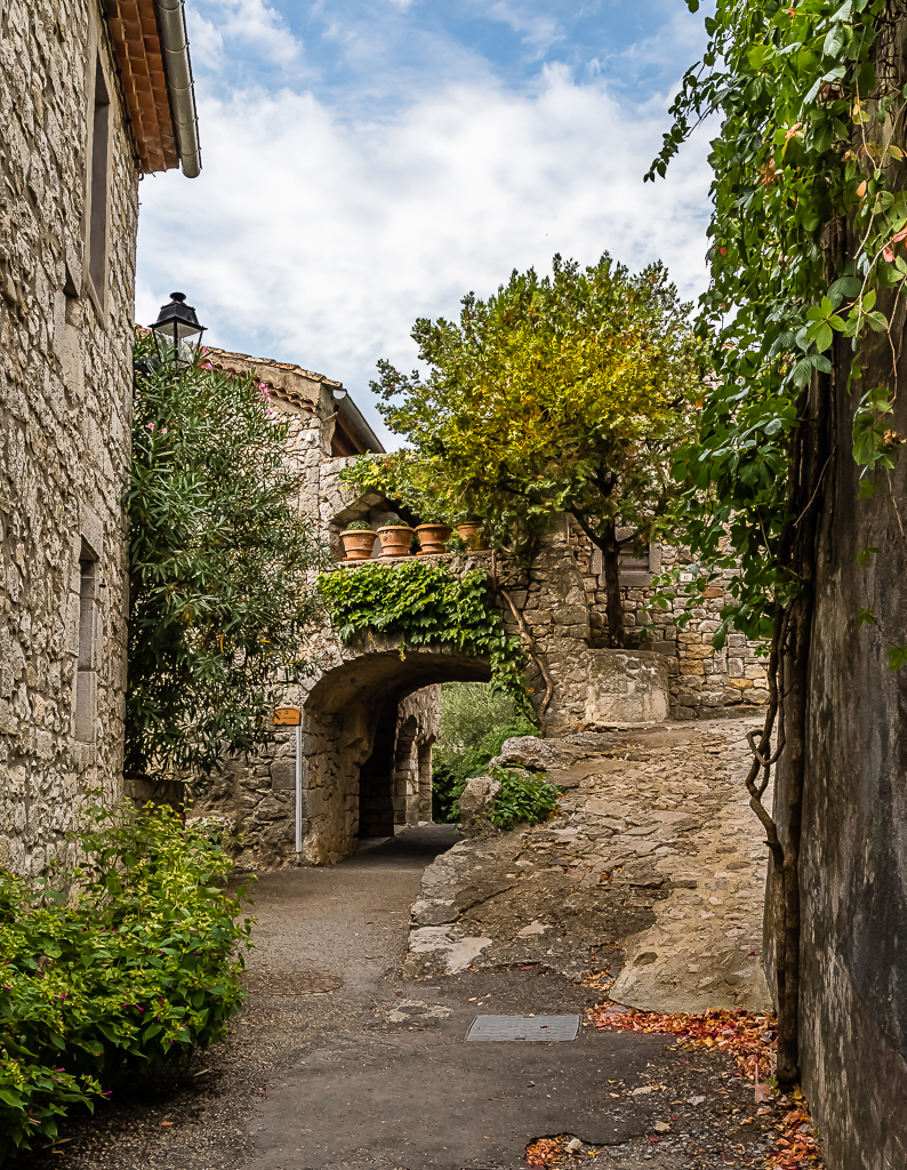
[[751, 1039]]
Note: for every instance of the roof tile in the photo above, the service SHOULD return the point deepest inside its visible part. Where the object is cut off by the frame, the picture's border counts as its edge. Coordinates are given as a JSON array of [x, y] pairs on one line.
[[137, 47]]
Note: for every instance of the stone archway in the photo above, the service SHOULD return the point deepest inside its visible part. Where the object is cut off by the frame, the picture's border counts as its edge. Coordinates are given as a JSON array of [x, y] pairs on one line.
[[351, 704], [366, 770]]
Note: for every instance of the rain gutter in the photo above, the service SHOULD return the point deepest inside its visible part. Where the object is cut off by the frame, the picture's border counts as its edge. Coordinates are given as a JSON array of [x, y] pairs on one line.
[[171, 19]]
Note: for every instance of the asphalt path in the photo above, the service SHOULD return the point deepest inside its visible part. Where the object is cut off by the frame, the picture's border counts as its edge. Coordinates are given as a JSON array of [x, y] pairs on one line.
[[340, 1063]]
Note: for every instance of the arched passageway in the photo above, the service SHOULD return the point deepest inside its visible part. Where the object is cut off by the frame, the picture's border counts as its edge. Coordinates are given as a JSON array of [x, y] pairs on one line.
[[367, 734]]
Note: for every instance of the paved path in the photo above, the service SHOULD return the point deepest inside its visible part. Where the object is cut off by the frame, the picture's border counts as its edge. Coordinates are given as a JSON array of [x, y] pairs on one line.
[[343, 1062]]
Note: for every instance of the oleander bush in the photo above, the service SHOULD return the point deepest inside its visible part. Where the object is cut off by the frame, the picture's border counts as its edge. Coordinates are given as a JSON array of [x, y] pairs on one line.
[[127, 967]]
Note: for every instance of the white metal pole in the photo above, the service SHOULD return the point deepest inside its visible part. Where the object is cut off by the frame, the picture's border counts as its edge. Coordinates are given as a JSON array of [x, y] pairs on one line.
[[299, 786]]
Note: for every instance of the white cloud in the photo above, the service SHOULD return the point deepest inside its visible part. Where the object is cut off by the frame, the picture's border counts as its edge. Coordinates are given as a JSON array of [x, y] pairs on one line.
[[538, 32], [319, 239], [250, 27]]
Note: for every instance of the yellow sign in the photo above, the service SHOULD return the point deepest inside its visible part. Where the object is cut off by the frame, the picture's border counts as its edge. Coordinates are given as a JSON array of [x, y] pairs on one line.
[[286, 717]]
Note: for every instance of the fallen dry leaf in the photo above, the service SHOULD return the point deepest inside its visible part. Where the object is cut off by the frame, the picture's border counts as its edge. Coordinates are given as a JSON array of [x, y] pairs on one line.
[[544, 1151], [751, 1039]]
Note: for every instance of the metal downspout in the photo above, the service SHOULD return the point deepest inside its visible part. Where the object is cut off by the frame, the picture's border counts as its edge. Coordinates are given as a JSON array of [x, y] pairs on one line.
[[171, 19]]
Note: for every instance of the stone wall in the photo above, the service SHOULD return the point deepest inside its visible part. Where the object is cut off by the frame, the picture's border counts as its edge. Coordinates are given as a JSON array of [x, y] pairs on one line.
[[701, 679], [853, 861], [371, 713], [358, 708], [417, 729], [65, 401]]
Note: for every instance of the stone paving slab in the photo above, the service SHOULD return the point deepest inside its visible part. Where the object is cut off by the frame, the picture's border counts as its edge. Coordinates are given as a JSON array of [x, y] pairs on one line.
[[653, 868]]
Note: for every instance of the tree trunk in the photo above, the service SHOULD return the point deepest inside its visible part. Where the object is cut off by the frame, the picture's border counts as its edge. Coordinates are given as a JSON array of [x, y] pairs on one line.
[[784, 881], [810, 459], [614, 609], [605, 540]]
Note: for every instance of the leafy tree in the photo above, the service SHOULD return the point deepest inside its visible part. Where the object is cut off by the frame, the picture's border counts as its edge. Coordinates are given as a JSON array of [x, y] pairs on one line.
[[562, 393], [219, 561]]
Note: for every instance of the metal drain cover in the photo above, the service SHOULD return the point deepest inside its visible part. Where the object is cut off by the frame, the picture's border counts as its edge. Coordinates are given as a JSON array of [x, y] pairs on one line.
[[523, 1028]]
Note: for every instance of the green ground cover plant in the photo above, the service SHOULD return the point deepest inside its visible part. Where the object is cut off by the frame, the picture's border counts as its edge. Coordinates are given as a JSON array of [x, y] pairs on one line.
[[125, 967], [523, 798]]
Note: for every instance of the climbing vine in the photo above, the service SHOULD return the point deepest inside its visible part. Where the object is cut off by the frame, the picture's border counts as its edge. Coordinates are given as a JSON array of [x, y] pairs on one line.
[[808, 142], [424, 605], [808, 267]]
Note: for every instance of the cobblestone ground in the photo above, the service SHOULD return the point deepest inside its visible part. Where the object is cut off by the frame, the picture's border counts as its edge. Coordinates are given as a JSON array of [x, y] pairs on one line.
[[653, 869]]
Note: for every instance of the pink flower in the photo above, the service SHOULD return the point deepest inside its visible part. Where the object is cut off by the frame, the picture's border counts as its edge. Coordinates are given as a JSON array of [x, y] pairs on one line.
[[163, 430], [150, 426]]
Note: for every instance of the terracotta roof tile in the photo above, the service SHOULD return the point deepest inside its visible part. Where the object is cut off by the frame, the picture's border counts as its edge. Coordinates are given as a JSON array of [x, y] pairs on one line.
[[137, 48]]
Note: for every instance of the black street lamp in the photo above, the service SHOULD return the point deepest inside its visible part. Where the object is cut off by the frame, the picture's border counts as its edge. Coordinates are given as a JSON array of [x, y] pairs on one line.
[[177, 333]]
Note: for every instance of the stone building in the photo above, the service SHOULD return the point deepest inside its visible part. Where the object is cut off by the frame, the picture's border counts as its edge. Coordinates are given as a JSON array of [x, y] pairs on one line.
[[382, 762], [91, 98], [370, 713]]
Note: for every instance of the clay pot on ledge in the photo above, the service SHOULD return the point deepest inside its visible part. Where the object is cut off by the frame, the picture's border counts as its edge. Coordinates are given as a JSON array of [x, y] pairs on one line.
[[396, 541], [358, 543], [432, 539], [471, 532]]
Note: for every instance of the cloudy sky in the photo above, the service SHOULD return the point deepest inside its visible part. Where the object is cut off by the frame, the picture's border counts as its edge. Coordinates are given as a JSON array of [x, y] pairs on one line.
[[367, 162]]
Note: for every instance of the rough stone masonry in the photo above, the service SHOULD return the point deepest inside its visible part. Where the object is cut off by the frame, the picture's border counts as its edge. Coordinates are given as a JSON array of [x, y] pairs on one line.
[[66, 323], [369, 710]]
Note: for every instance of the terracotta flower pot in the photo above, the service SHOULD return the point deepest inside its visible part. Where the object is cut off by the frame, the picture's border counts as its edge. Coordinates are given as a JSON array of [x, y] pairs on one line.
[[433, 538], [471, 532], [358, 543], [395, 541]]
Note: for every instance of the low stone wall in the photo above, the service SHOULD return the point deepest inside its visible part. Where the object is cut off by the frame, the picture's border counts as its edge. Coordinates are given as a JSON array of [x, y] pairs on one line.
[[599, 688]]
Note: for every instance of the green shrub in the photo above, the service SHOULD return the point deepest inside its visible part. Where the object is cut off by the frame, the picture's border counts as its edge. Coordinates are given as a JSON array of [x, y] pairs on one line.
[[522, 797], [132, 973], [475, 722]]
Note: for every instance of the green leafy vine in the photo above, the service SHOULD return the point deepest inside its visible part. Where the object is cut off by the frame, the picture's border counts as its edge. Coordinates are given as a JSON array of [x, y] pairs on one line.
[[423, 605], [808, 148]]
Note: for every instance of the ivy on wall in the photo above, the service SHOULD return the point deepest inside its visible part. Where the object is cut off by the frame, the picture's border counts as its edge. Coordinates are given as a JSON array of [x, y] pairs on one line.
[[423, 605], [808, 263], [811, 140]]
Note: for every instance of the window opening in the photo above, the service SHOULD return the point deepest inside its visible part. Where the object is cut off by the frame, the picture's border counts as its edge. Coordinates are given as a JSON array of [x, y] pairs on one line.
[[97, 221], [86, 674]]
